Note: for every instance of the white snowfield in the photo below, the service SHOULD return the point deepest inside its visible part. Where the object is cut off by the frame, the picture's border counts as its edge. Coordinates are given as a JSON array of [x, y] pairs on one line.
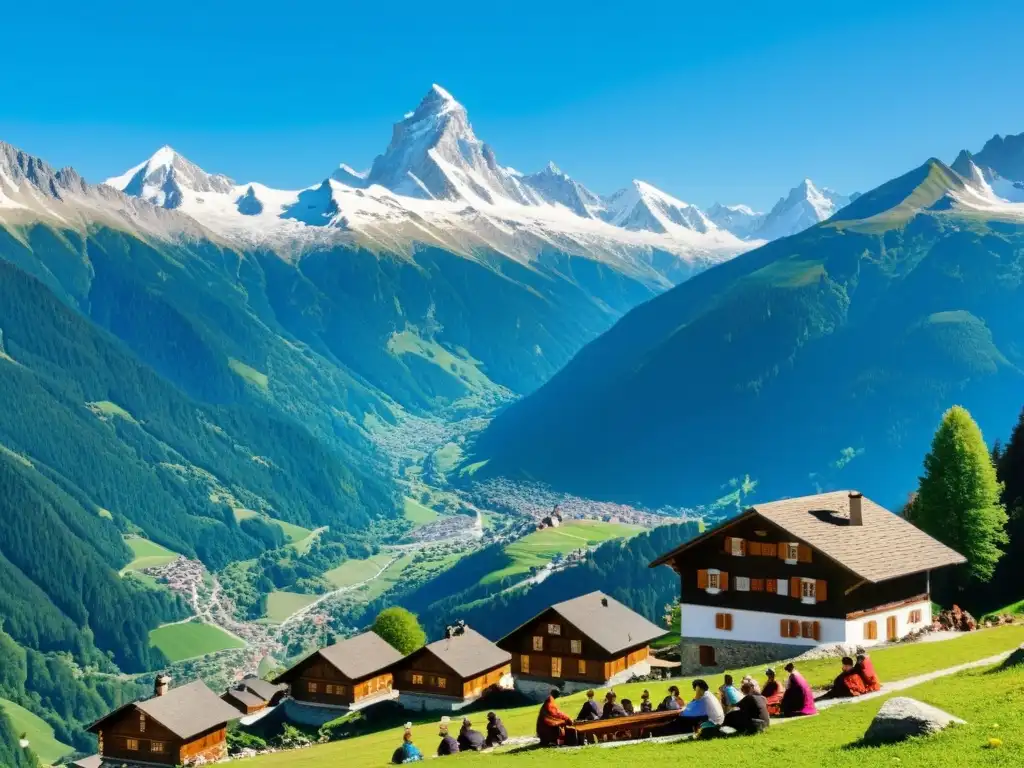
[[804, 206]]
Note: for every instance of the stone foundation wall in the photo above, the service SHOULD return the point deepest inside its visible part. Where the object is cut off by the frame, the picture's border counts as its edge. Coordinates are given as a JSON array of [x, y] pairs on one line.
[[733, 654], [538, 689], [418, 702]]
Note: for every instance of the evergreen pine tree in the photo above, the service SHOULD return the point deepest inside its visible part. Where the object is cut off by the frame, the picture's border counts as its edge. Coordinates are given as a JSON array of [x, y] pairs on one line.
[[958, 500]]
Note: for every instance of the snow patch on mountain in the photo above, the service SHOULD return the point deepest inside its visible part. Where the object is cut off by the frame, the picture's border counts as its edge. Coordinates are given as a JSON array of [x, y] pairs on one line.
[[741, 220], [804, 206], [642, 207]]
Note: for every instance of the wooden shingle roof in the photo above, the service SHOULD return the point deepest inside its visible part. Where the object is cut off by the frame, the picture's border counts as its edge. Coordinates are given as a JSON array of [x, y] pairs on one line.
[[186, 711], [883, 547], [469, 654], [608, 622], [358, 657]]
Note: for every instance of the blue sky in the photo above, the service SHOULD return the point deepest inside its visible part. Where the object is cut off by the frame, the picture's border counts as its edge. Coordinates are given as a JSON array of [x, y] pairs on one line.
[[733, 101]]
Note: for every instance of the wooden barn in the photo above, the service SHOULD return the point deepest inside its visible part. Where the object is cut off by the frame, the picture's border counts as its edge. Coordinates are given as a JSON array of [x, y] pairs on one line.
[[176, 726], [347, 675], [589, 641], [451, 673], [251, 694], [825, 569]]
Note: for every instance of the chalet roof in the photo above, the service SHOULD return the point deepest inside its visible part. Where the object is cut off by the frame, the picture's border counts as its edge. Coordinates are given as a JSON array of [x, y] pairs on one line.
[[361, 655], [262, 688], [93, 761], [608, 622], [883, 547], [468, 654], [185, 711], [243, 696]]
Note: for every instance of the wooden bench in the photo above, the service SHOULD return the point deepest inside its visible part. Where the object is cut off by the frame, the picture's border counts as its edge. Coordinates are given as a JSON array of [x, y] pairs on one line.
[[636, 726]]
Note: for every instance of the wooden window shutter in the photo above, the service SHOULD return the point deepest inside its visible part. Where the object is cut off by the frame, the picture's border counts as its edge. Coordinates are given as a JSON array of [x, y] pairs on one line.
[[803, 553], [743, 546], [723, 581], [754, 547], [821, 590], [728, 545], [794, 628], [719, 621], [784, 628], [817, 630], [794, 587], [728, 622], [757, 585], [702, 579], [780, 551], [769, 585]]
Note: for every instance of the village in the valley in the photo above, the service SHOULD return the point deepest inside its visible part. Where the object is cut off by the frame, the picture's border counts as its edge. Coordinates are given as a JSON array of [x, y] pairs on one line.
[[784, 611]]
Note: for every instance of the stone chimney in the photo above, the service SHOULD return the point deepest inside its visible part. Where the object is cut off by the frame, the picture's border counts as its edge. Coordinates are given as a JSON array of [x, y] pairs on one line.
[[163, 683], [856, 508]]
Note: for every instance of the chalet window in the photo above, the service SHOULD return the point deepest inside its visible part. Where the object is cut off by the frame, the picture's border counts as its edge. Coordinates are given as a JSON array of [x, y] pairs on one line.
[[781, 587], [742, 584], [442, 682], [870, 630], [792, 552], [311, 686], [156, 747], [556, 666], [581, 667], [713, 579], [768, 549], [810, 630], [142, 722], [789, 628], [756, 585], [132, 745], [329, 689], [915, 617], [723, 621], [554, 629], [576, 646], [538, 643], [417, 679], [524, 664], [808, 591], [737, 546]]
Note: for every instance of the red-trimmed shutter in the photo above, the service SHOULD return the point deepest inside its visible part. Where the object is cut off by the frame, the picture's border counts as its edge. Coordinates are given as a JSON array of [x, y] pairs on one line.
[[723, 581], [728, 545], [702, 579], [794, 587], [803, 553], [821, 590]]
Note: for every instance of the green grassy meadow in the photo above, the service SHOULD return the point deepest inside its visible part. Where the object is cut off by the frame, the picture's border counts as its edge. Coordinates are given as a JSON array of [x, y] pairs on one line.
[[191, 639], [537, 548], [417, 514], [1013, 609], [981, 697], [148, 554], [38, 732], [281, 604], [354, 571]]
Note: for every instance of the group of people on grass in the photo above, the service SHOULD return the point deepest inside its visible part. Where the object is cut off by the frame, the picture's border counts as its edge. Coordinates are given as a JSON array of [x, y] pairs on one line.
[[468, 740], [745, 710]]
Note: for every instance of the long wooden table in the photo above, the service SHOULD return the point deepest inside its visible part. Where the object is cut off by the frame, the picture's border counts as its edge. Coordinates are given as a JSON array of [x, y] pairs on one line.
[[636, 726]]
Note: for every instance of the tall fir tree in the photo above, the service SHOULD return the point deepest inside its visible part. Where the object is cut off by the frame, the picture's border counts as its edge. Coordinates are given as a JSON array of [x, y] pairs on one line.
[[958, 500]]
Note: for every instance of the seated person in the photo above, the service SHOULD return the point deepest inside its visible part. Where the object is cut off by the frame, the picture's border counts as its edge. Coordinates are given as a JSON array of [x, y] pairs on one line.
[[847, 684], [612, 708], [728, 694], [672, 701], [469, 739], [772, 692], [628, 706], [448, 745], [497, 734], [590, 710], [867, 673], [704, 707], [750, 715], [645, 702], [408, 752], [798, 699], [554, 727]]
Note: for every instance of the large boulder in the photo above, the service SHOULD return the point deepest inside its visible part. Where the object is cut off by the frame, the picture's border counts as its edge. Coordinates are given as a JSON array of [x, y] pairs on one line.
[[902, 717]]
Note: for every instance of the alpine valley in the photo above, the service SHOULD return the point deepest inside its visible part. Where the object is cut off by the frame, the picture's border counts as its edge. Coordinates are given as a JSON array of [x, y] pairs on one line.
[[239, 420]]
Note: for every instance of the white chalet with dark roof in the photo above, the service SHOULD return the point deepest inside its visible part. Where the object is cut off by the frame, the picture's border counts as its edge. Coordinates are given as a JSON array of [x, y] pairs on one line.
[[789, 575]]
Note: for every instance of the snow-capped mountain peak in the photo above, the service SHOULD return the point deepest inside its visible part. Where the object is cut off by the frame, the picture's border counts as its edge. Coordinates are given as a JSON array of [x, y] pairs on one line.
[[804, 206], [741, 220], [641, 206], [164, 178], [558, 188]]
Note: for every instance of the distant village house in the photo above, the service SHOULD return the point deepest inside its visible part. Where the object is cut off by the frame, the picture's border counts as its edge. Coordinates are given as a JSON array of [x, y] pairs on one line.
[[252, 694], [586, 642], [789, 575]]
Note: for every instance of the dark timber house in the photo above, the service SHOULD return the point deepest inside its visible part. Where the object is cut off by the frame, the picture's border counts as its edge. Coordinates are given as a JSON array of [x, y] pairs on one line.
[[348, 675], [178, 726], [451, 673], [251, 695], [788, 575], [581, 643]]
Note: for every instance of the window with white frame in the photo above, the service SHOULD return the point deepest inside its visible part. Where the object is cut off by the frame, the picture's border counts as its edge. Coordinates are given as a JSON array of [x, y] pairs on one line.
[[782, 587], [792, 552], [554, 629], [714, 582], [737, 546], [808, 591], [741, 584]]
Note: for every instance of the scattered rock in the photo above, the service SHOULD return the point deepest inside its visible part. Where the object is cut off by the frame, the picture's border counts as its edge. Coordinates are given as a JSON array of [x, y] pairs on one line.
[[902, 717], [956, 619]]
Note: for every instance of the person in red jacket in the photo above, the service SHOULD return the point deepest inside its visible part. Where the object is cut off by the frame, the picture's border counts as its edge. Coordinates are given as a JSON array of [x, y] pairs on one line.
[[867, 673], [848, 683]]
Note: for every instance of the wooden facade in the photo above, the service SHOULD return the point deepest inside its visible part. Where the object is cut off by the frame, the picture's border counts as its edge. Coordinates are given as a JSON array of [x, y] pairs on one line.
[[320, 682], [551, 648], [131, 735], [747, 566], [424, 673]]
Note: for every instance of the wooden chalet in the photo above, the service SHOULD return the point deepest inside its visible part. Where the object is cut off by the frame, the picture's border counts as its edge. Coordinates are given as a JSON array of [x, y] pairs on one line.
[[251, 694], [347, 675], [824, 569], [589, 641], [451, 673], [175, 727]]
